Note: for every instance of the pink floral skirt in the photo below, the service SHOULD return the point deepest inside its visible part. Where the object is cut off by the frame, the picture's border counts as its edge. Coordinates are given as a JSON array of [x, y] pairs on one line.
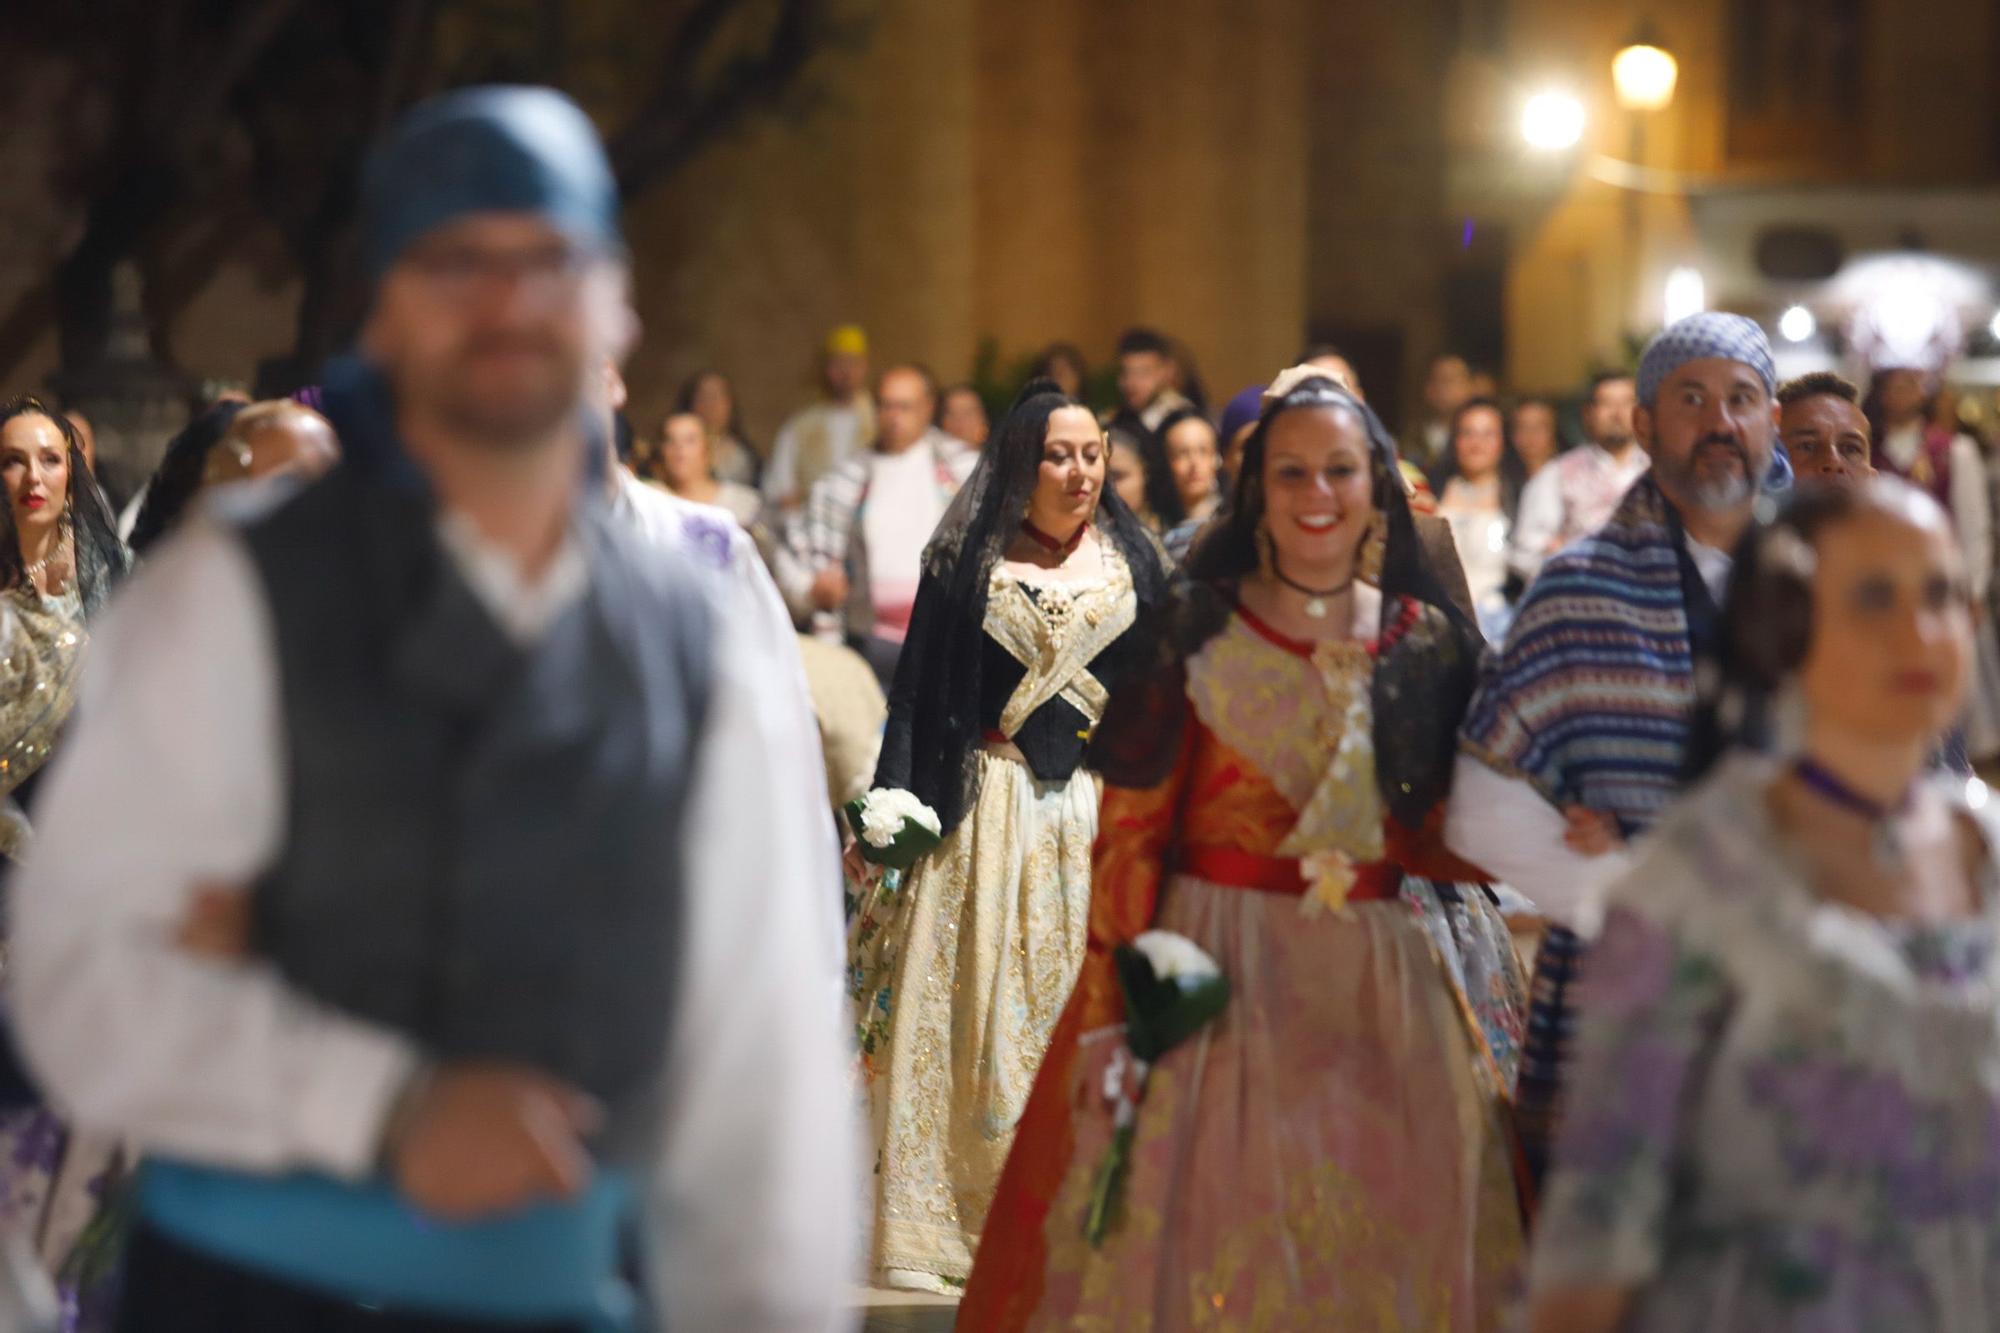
[[1332, 1153]]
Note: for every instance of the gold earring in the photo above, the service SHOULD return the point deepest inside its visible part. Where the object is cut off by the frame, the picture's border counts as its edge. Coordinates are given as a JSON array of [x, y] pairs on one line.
[[1373, 546]]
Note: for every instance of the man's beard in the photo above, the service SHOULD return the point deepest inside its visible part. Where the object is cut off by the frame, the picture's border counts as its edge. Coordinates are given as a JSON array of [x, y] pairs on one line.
[[527, 412], [1712, 484]]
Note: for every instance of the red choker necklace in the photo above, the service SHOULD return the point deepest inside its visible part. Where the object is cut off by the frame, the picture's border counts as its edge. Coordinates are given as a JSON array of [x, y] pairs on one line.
[[1052, 544]]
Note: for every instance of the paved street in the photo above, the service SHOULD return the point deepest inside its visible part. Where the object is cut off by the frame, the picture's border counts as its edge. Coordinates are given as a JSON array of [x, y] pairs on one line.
[[908, 1312]]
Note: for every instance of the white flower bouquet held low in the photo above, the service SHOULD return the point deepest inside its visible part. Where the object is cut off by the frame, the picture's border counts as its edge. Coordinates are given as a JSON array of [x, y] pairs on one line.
[[893, 828], [1172, 990]]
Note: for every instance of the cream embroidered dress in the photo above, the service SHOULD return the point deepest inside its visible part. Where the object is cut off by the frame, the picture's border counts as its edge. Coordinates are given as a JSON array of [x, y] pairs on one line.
[[55, 1179], [41, 652], [960, 970]]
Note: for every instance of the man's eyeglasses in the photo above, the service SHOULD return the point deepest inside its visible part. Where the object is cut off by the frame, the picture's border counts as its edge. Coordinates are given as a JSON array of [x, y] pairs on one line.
[[460, 273]]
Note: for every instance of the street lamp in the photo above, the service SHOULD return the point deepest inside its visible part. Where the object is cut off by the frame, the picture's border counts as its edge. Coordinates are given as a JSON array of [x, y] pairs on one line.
[[1645, 72], [1552, 122]]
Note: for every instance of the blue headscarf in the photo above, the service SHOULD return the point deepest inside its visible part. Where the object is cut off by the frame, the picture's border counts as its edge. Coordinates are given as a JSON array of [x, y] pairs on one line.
[[1715, 335], [487, 150], [1710, 335]]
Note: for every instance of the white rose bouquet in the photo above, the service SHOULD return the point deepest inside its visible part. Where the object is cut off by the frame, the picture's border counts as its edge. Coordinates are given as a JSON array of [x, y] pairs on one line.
[[1172, 990], [893, 828]]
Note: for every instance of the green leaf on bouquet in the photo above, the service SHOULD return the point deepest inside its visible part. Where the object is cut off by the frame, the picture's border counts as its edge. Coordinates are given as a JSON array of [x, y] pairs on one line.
[[1108, 1187], [911, 844], [1162, 1012]]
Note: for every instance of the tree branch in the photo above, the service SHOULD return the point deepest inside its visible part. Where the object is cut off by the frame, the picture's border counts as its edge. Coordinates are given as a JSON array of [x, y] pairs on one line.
[[674, 123], [24, 325], [251, 35], [416, 21]]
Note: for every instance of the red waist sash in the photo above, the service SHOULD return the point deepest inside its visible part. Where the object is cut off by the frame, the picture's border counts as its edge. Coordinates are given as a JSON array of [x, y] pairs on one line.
[[1238, 869]]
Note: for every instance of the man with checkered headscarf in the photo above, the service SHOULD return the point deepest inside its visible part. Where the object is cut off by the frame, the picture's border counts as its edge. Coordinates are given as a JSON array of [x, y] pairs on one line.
[[1579, 733]]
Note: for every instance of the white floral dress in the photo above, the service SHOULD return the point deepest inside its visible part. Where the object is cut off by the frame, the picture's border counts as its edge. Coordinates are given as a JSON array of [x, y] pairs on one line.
[[1785, 1114]]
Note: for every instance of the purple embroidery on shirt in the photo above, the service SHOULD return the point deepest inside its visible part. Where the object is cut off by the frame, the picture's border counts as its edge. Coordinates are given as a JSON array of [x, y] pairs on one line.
[[707, 539]]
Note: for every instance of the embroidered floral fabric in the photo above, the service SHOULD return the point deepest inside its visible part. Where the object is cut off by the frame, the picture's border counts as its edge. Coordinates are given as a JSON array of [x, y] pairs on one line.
[[959, 970], [1332, 1151], [54, 1184], [1785, 1115]]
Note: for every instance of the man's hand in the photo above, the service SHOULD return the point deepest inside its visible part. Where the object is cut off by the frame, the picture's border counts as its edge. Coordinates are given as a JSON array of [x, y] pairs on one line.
[[1590, 832], [217, 923], [829, 589], [480, 1139]]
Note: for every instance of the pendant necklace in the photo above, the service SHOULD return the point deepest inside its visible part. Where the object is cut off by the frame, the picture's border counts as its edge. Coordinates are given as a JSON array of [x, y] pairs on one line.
[[37, 568], [1053, 545], [1828, 785], [1315, 597]]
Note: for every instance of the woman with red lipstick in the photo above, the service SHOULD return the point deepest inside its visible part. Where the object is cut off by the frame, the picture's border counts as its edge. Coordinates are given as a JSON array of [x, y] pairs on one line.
[[1022, 626], [1784, 1105], [67, 553], [58, 560], [1332, 1150]]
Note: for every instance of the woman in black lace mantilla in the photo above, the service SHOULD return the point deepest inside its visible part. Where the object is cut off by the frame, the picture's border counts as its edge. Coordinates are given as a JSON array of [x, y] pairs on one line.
[[1023, 623]]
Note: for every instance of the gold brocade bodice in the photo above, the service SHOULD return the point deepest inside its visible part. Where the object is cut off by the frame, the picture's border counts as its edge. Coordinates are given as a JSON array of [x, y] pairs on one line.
[[1055, 629], [1299, 717], [40, 662]]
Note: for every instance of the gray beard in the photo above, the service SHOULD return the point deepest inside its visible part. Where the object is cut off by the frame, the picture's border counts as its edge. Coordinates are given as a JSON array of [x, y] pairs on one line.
[[1719, 496]]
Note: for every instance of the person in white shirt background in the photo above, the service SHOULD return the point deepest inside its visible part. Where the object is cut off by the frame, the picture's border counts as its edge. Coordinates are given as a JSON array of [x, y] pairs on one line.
[[851, 562], [1478, 487], [1147, 369], [1575, 493], [962, 415], [821, 436], [1537, 437], [711, 397], [679, 458], [1447, 385], [326, 1152]]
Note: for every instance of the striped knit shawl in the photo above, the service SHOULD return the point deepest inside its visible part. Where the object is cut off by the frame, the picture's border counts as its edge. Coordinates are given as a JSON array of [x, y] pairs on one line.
[[1592, 697]]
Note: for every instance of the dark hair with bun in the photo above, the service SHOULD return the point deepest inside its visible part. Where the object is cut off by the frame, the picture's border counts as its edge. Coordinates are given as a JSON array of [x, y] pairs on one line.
[[1767, 621], [931, 744]]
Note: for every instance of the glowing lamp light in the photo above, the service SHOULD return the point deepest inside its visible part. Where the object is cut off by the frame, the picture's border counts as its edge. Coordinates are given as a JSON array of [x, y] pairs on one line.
[[1909, 309], [1686, 295], [1552, 122], [1797, 325], [1644, 75], [1975, 793], [1994, 327]]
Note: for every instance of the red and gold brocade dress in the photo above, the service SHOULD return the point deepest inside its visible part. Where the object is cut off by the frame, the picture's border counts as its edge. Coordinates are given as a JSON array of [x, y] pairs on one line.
[[1333, 1152]]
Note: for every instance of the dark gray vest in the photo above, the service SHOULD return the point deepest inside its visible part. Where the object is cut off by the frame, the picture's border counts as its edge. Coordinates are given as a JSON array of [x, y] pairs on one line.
[[483, 842]]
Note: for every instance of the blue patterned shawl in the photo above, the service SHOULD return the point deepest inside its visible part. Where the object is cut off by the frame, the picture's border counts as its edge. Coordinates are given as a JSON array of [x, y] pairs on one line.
[[1592, 698]]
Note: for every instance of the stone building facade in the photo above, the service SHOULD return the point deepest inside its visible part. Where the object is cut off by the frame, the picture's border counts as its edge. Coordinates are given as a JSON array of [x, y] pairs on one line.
[[1242, 173]]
